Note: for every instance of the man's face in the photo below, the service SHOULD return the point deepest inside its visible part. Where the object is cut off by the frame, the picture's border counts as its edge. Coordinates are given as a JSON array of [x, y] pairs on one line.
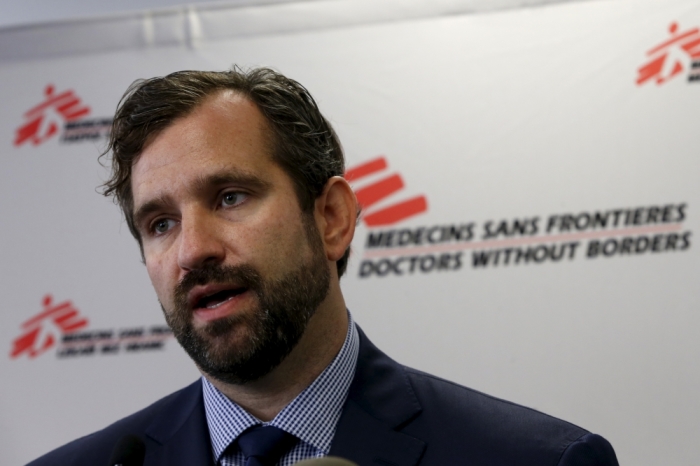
[[238, 268]]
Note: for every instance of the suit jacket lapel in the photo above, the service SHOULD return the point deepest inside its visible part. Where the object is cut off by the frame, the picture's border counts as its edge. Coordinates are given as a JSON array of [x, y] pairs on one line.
[[380, 402], [180, 431]]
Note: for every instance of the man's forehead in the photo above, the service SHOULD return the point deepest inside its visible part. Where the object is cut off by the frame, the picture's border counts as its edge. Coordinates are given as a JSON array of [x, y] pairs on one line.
[[226, 128], [224, 111]]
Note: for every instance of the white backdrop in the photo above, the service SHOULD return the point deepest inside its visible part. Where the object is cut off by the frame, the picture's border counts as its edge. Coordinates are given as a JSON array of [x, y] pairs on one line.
[[522, 130]]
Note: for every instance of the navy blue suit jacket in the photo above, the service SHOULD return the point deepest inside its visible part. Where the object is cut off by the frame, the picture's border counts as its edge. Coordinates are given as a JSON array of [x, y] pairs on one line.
[[394, 416]]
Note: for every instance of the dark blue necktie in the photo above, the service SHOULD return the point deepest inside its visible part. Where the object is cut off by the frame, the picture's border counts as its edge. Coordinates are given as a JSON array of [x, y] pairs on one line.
[[264, 445]]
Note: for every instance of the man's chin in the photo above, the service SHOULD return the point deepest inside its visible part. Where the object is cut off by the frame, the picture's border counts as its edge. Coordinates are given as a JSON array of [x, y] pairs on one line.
[[224, 339], [228, 328], [220, 354]]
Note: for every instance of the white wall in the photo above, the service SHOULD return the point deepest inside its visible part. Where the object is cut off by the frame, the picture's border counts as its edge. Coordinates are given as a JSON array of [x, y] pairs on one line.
[[504, 115], [27, 12]]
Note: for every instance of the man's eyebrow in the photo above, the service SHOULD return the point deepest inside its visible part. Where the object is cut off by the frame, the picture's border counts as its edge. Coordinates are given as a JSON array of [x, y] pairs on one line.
[[240, 178]]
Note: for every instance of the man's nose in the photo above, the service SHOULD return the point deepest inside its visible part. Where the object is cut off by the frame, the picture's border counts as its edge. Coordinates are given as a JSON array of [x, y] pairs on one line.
[[199, 241]]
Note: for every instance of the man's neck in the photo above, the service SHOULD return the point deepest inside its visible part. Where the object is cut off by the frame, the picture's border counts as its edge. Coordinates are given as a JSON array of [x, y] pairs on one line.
[[266, 397]]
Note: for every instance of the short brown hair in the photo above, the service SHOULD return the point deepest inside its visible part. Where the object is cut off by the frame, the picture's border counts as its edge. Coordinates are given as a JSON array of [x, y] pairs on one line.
[[304, 143]]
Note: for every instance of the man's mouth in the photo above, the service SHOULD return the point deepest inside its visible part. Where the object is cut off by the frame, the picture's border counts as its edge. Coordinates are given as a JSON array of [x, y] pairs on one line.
[[214, 300]]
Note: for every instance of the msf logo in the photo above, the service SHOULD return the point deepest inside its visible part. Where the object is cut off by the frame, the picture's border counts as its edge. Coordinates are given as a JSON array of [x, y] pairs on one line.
[[44, 120], [42, 331], [678, 54], [373, 192]]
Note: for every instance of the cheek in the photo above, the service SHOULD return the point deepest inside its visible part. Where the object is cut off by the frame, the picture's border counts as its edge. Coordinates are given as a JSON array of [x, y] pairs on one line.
[[160, 279], [277, 238]]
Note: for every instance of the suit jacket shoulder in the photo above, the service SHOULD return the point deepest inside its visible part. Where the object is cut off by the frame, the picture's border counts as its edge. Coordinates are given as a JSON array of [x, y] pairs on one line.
[[173, 428], [400, 416]]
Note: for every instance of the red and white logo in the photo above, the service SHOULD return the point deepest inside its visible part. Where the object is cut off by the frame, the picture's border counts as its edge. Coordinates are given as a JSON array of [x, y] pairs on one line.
[[370, 194], [60, 326], [678, 54], [45, 119], [45, 329]]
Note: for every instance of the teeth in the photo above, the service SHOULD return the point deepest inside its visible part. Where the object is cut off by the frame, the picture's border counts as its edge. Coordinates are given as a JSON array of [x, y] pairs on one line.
[[219, 303], [216, 299]]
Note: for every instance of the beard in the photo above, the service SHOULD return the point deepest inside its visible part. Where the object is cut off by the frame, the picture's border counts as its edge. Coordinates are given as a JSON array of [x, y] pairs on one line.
[[248, 345]]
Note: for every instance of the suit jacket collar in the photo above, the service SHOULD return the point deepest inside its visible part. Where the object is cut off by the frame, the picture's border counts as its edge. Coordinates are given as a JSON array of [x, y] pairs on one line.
[[180, 431], [380, 402]]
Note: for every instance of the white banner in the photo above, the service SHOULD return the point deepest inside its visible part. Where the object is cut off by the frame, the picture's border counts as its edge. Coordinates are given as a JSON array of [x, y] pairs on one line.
[[529, 180]]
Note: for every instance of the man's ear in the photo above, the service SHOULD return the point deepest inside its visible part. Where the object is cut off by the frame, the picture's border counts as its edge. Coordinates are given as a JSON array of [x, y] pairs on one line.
[[336, 213]]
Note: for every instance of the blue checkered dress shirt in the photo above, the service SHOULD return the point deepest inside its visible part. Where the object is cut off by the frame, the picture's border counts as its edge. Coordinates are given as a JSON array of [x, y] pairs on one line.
[[312, 416]]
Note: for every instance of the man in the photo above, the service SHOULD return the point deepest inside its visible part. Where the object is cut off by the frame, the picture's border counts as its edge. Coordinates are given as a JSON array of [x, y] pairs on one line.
[[232, 185]]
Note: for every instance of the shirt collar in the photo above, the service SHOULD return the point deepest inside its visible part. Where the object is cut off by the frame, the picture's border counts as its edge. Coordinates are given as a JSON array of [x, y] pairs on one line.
[[312, 416]]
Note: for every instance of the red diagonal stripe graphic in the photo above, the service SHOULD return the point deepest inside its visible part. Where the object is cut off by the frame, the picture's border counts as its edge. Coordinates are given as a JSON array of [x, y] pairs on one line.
[[365, 169], [60, 320], [77, 113], [49, 102], [650, 70], [74, 325], [66, 104], [27, 131], [397, 212], [38, 318], [24, 342], [692, 48], [377, 191], [672, 40]]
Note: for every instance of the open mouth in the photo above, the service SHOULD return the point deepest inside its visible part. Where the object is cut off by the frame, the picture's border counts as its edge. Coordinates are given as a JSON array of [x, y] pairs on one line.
[[214, 300]]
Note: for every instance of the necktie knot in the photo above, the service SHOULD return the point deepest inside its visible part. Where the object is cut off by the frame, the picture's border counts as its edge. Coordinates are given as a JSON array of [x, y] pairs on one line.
[[264, 445]]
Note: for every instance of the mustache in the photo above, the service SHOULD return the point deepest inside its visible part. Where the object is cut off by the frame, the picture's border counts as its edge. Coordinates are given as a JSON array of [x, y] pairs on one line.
[[243, 275]]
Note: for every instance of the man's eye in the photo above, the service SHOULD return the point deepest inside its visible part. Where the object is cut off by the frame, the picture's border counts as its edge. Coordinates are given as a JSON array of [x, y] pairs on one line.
[[232, 198], [162, 226]]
